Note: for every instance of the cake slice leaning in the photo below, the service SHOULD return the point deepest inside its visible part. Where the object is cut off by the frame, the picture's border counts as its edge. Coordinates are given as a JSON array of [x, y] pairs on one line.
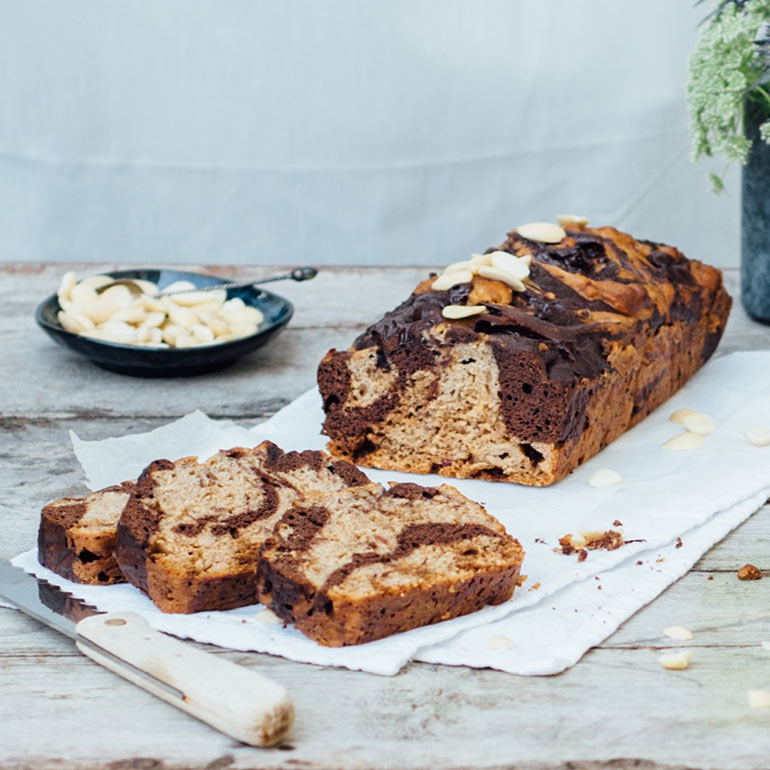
[[191, 532], [76, 538], [363, 563]]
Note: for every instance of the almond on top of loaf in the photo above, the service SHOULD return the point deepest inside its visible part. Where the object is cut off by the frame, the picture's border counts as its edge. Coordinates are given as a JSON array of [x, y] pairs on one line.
[[566, 342], [362, 563]]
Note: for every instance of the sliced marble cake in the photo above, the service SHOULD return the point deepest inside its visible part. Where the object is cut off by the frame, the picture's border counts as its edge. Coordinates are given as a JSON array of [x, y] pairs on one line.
[[363, 563], [76, 538], [191, 532]]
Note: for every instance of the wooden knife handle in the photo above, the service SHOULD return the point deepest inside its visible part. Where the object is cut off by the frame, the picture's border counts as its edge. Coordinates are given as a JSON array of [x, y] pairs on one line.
[[229, 697]]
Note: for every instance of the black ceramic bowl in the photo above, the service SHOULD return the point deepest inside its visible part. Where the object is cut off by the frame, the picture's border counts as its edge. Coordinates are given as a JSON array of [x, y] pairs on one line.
[[171, 362]]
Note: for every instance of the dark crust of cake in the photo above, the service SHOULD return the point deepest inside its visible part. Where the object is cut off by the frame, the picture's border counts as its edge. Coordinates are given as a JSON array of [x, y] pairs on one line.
[[346, 622], [550, 352], [56, 549]]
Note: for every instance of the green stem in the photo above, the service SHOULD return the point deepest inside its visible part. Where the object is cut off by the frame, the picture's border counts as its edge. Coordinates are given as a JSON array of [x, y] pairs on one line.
[[766, 96]]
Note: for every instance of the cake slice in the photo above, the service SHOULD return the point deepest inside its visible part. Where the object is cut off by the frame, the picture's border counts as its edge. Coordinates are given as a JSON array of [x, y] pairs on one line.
[[190, 534], [524, 362], [363, 563], [76, 538]]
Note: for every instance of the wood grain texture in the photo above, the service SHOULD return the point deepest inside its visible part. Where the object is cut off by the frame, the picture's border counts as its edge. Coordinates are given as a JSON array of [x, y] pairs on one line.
[[616, 709]]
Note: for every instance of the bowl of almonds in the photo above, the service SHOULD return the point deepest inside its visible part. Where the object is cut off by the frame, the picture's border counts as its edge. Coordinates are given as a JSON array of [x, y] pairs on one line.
[[161, 323]]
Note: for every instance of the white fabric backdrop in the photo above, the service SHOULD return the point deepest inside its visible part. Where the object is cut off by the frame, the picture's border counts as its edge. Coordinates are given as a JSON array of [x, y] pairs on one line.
[[405, 132]]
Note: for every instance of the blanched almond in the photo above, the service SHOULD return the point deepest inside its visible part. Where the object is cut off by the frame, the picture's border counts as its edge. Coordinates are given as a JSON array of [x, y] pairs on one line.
[[202, 333], [243, 329], [448, 280], [502, 260], [684, 442], [153, 319], [179, 286], [96, 281], [65, 287], [680, 633], [455, 312], [499, 642], [545, 232], [131, 315], [496, 274], [481, 259], [758, 699], [605, 477], [758, 436], [456, 266], [191, 298], [117, 331], [74, 322], [699, 423], [678, 416], [676, 661]]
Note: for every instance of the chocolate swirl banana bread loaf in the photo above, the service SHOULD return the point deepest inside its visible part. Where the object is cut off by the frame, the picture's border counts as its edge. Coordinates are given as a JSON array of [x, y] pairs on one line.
[[190, 533], [362, 563], [76, 538], [522, 363]]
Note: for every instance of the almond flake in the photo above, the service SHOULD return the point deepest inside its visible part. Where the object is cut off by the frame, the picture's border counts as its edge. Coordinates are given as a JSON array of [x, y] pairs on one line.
[[684, 442], [758, 436], [699, 423], [571, 219], [605, 477], [675, 661], [759, 699], [448, 280], [679, 415], [455, 312], [502, 260], [680, 633], [495, 274], [545, 232]]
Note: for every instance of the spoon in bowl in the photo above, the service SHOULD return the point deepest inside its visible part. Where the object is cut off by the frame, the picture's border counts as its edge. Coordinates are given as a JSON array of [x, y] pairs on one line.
[[298, 274]]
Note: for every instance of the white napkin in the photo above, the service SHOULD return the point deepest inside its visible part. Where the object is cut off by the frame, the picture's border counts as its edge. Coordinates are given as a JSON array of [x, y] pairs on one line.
[[697, 495]]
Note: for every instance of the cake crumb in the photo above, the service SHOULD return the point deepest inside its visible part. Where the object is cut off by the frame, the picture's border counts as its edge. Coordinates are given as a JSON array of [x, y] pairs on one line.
[[610, 540], [678, 543], [640, 562], [749, 572], [582, 554], [521, 580], [617, 523], [534, 587], [710, 577]]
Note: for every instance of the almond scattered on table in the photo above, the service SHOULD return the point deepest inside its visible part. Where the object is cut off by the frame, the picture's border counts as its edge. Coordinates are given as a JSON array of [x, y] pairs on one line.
[[759, 699], [675, 661], [680, 633]]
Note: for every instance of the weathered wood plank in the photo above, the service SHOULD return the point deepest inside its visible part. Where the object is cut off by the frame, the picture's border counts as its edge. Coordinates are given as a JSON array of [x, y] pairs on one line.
[[428, 716]]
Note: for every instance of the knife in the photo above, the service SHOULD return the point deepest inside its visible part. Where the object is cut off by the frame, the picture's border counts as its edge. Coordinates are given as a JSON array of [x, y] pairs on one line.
[[233, 699]]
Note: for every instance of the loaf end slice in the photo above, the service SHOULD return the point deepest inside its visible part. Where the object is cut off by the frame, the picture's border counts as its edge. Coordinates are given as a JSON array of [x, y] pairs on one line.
[[76, 537], [364, 563]]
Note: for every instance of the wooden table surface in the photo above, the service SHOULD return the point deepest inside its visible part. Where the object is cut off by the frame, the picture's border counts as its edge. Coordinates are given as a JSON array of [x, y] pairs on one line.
[[616, 709]]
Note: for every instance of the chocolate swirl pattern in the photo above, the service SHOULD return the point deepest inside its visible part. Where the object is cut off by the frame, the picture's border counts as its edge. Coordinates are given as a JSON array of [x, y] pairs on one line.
[[608, 328]]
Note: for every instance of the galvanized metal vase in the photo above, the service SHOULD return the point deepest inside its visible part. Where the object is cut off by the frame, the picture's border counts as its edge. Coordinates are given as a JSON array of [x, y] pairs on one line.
[[755, 220]]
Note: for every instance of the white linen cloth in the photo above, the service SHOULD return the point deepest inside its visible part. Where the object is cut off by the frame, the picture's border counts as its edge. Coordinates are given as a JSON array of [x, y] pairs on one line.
[[559, 612]]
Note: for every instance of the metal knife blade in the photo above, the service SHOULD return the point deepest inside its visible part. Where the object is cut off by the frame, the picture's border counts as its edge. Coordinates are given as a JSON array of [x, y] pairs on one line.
[[42, 600]]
